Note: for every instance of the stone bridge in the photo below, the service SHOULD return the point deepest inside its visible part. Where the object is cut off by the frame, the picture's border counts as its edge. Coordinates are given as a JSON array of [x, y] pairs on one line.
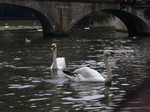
[[58, 17]]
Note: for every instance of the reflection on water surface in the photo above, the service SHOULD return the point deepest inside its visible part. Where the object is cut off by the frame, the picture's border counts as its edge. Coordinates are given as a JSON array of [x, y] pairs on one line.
[[27, 84]]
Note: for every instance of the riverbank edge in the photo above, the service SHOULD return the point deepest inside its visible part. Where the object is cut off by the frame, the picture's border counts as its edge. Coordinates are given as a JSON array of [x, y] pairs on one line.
[[34, 29], [20, 28]]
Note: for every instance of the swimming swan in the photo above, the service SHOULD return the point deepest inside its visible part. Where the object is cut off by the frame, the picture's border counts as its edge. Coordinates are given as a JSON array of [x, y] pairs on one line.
[[28, 41], [58, 63], [86, 74]]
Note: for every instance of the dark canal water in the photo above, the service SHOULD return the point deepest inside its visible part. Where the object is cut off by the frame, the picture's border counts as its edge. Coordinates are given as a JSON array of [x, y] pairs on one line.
[[28, 85]]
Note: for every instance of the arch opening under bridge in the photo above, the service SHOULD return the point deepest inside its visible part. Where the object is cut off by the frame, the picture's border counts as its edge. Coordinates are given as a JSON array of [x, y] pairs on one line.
[[134, 24], [48, 22]]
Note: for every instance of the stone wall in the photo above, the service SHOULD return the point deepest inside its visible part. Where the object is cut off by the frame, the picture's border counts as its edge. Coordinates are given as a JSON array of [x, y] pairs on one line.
[[113, 22]]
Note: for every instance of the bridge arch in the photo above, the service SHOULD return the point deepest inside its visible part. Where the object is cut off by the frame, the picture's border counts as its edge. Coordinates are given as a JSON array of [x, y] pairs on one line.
[[77, 18], [134, 24], [49, 25]]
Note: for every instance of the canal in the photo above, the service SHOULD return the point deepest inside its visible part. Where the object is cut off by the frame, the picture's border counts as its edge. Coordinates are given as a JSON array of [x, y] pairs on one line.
[[27, 84]]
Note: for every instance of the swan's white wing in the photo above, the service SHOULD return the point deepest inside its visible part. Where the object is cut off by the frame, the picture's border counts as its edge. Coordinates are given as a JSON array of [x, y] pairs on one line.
[[61, 64], [87, 72]]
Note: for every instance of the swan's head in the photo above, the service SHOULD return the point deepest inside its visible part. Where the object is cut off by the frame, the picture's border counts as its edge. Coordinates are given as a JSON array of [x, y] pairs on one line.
[[54, 46], [109, 53]]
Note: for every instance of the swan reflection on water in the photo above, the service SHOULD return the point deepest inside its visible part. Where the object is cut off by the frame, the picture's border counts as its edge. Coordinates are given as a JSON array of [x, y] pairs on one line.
[[57, 77], [88, 96]]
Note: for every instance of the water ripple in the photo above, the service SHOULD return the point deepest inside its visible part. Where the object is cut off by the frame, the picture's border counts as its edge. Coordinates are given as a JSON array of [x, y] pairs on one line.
[[19, 86]]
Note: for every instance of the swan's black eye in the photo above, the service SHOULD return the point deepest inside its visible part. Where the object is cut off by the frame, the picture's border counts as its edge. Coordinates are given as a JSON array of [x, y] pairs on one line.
[[112, 54]]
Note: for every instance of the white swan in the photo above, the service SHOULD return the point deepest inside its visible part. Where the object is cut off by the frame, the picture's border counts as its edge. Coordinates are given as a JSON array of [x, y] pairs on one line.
[[86, 74], [58, 63], [28, 41]]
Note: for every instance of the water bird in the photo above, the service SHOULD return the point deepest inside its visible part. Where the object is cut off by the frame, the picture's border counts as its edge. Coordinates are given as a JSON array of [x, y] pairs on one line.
[[87, 28], [28, 41], [58, 63], [6, 25], [39, 29], [86, 74]]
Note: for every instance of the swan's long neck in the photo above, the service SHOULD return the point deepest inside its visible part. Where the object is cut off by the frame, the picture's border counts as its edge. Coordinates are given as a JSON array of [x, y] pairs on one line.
[[108, 70], [54, 59]]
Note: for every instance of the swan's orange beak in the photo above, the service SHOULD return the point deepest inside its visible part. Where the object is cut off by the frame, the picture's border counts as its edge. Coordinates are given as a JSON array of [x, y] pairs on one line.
[[113, 55], [52, 48]]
